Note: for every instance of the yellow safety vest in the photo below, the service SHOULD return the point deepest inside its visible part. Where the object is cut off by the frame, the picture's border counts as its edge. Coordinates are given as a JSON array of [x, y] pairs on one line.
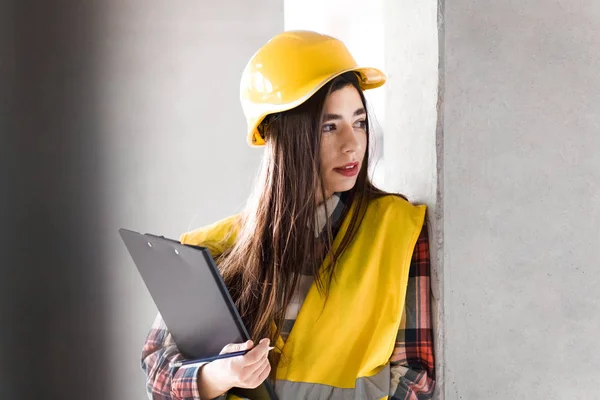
[[340, 349]]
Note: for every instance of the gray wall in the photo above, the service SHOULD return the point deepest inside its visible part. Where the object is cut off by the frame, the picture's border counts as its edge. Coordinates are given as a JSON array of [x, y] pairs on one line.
[[521, 194], [174, 137], [52, 272]]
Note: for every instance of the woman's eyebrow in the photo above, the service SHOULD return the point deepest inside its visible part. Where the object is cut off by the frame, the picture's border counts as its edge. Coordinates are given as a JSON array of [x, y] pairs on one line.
[[331, 117], [360, 111]]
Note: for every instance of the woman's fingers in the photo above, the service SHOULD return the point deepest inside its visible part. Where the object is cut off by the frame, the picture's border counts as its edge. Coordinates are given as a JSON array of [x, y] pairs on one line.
[[258, 376], [264, 373], [233, 347], [249, 370], [257, 354]]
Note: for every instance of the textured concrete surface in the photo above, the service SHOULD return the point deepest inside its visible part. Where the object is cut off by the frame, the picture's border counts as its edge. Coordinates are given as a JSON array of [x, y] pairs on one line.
[[521, 199]]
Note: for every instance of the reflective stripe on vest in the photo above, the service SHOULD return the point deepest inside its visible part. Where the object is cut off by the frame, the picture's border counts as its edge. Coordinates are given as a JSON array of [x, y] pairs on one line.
[[375, 387]]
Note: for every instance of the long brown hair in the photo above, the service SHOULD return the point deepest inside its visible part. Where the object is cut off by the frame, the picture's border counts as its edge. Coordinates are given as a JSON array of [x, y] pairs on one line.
[[276, 240]]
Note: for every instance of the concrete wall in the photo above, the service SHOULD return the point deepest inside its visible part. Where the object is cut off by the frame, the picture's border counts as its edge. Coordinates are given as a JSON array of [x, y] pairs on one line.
[[521, 199], [174, 137], [516, 191]]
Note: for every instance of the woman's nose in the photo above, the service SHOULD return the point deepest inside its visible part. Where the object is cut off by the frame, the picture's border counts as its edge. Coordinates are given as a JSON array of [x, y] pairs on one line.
[[350, 144]]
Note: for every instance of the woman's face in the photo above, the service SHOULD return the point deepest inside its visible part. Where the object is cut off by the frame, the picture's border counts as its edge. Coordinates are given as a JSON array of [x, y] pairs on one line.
[[344, 140]]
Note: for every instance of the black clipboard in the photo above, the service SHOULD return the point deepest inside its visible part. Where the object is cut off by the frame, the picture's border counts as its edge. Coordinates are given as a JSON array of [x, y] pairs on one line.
[[192, 298]]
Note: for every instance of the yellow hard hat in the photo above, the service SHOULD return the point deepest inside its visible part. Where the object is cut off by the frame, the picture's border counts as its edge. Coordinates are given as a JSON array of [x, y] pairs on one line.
[[289, 69]]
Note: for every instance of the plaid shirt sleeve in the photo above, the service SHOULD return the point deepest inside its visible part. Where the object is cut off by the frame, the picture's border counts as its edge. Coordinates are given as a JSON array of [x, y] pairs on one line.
[[162, 381], [412, 362]]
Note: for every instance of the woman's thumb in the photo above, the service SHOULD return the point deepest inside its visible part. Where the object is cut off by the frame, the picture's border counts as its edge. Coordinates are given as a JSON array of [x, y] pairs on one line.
[[248, 344]]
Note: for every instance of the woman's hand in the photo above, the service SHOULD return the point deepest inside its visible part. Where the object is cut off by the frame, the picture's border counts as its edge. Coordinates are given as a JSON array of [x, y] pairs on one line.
[[247, 371]]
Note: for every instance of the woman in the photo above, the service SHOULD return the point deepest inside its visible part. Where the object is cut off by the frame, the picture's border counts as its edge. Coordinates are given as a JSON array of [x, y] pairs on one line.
[[331, 271]]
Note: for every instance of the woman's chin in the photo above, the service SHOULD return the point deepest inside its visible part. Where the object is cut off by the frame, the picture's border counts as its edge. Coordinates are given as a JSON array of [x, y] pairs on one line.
[[344, 187]]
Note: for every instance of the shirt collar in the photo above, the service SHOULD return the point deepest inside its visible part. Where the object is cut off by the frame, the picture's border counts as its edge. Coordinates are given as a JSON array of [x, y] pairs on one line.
[[329, 209]]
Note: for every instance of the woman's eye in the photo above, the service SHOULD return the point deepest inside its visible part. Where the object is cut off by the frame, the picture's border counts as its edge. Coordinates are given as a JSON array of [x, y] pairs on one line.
[[362, 124], [328, 128]]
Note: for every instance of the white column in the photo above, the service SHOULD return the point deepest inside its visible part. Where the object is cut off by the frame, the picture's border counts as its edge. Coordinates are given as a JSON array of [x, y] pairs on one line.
[[412, 143]]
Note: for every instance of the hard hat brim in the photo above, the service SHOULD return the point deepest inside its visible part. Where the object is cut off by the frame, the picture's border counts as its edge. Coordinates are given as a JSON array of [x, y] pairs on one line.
[[370, 78]]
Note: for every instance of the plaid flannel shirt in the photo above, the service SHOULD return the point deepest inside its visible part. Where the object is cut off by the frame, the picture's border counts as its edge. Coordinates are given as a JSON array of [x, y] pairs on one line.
[[412, 361]]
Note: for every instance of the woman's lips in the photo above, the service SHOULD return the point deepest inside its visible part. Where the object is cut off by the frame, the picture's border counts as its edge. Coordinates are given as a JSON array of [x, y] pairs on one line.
[[350, 169]]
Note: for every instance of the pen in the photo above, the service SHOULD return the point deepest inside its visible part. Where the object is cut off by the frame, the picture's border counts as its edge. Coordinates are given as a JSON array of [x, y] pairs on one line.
[[190, 363]]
